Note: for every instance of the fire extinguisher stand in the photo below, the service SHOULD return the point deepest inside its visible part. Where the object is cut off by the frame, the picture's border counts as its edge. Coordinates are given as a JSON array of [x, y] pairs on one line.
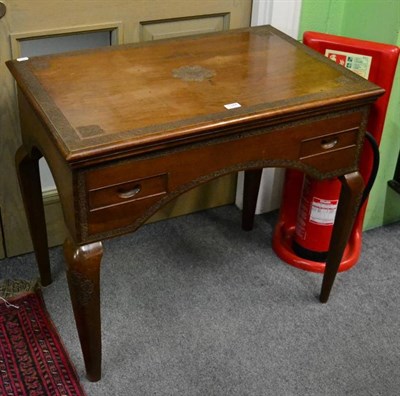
[[374, 61]]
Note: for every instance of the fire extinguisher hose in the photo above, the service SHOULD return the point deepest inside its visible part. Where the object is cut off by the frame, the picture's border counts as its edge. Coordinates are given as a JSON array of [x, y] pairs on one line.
[[375, 167]]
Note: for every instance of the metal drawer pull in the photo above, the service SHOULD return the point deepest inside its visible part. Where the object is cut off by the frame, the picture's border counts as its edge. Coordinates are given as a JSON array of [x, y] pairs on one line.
[[329, 143], [130, 193]]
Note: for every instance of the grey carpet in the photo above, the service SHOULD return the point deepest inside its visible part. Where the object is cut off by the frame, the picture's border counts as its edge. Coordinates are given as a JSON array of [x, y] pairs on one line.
[[195, 306]]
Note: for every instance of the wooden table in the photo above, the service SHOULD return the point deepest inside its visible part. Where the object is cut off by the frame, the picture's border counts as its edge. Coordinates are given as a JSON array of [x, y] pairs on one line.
[[128, 128]]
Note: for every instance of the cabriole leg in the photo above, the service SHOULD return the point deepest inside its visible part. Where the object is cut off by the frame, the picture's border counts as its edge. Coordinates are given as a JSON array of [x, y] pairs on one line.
[[29, 181], [83, 275], [349, 201]]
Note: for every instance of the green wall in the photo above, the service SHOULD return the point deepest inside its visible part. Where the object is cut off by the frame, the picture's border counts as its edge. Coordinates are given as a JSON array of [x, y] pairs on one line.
[[374, 20]]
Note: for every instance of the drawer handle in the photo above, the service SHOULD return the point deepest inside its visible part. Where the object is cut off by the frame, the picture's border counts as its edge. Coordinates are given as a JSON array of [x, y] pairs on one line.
[[327, 144], [130, 193]]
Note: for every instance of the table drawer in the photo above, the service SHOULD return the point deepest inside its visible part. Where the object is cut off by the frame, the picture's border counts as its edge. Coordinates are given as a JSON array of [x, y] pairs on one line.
[[120, 202], [111, 218], [128, 191], [328, 142]]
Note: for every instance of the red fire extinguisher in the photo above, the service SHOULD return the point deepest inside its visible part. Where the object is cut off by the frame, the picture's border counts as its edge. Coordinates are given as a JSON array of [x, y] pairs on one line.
[[303, 231], [317, 210]]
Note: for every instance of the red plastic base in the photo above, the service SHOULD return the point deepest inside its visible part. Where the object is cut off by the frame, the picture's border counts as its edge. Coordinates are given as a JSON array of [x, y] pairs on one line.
[[282, 245]]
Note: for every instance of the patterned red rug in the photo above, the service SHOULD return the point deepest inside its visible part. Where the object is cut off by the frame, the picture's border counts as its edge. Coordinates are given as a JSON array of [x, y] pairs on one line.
[[33, 360]]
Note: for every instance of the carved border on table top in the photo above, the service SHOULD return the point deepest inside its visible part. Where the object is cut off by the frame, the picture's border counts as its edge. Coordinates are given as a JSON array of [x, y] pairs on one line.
[[70, 134], [102, 138]]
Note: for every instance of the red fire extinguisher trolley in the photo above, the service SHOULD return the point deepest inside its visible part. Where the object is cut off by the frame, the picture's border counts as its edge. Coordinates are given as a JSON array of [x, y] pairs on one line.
[[302, 234]]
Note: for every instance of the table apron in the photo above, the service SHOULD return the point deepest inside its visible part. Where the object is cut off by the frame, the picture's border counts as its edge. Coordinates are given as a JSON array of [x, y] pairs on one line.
[[118, 197]]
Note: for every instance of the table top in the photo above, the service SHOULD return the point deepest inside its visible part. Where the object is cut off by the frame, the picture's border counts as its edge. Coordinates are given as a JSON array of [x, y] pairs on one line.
[[129, 97]]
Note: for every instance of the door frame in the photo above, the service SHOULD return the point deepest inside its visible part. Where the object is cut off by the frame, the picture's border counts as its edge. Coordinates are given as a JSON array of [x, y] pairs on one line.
[[282, 14]]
